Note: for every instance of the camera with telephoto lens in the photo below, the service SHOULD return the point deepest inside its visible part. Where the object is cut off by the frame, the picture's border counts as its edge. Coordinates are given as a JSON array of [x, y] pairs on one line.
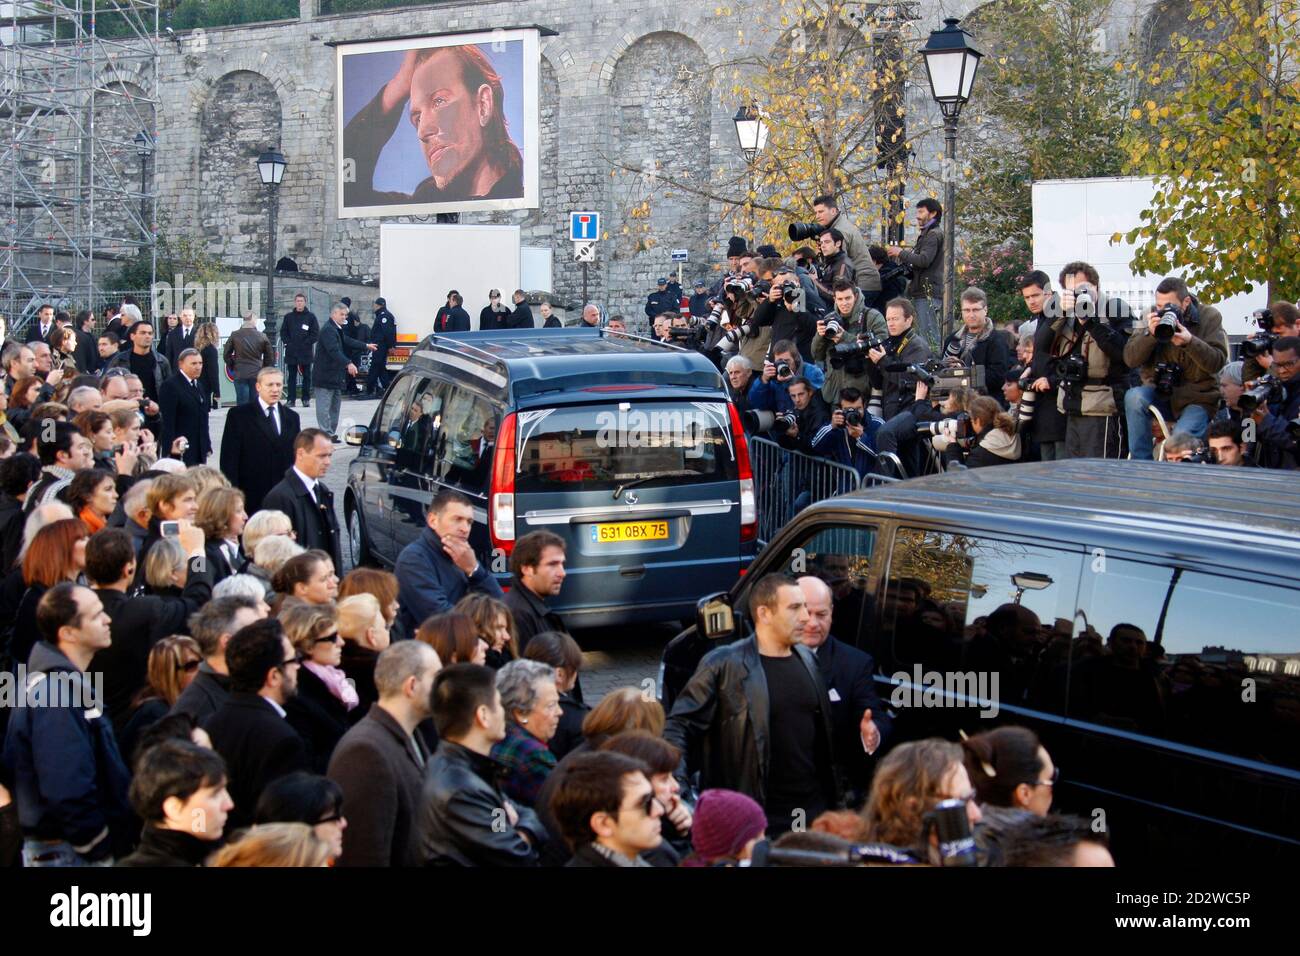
[[852, 354], [1167, 319], [917, 372], [805, 230], [946, 431], [1168, 376], [833, 328], [715, 315], [783, 423], [734, 286], [1085, 302], [762, 287], [1261, 343], [790, 292], [1267, 390], [783, 371]]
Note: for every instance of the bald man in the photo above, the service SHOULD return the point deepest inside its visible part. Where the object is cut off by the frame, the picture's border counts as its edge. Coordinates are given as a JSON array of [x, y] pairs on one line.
[[859, 721]]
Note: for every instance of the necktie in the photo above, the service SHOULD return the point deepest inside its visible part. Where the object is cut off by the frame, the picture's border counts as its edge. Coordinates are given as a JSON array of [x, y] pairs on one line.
[[275, 421]]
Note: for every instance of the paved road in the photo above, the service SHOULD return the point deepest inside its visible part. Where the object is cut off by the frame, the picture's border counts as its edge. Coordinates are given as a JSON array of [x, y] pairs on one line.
[[614, 657]]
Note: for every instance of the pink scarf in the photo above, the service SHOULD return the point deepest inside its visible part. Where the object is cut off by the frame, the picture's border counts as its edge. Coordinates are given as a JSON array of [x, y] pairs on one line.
[[336, 681]]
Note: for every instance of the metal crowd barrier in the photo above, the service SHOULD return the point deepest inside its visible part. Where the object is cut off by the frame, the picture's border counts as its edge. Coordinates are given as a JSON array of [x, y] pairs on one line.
[[786, 482]]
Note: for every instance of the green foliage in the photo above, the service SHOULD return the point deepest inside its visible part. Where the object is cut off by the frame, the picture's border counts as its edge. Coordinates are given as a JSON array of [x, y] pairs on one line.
[[998, 271], [1223, 142], [1045, 106], [188, 14], [179, 255]]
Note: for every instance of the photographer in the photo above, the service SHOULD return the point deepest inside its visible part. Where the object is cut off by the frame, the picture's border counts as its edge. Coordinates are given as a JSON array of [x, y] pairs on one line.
[[1230, 388], [1227, 446], [865, 276], [782, 311], [894, 276], [1023, 415], [1279, 320], [804, 266], [810, 415], [1181, 446], [887, 371], [850, 318], [1276, 428], [850, 436], [737, 330], [976, 345], [1083, 344], [925, 259], [998, 442], [1179, 352], [771, 392], [834, 265]]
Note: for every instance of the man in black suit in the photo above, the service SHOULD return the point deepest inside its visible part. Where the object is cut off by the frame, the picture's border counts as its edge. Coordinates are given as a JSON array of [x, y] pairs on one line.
[[299, 331], [859, 722], [250, 730], [522, 316], [184, 408], [180, 338], [86, 352], [257, 445], [39, 329], [302, 495]]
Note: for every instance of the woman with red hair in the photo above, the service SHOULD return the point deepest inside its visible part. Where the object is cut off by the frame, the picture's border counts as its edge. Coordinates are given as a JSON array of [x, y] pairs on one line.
[[56, 554]]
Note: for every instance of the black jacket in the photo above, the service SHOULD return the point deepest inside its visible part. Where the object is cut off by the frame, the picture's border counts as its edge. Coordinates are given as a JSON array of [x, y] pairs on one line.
[[848, 673], [383, 331], [356, 330], [159, 847], [380, 769], [489, 321], [799, 327], [176, 342], [162, 370], [451, 318], [460, 805], [568, 733], [258, 746], [521, 318], [320, 718], [299, 342], [994, 354], [889, 374], [12, 518], [185, 407], [138, 624], [315, 523], [34, 333], [253, 457], [206, 695], [86, 353], [722, 715], [332, 357], [531, 614]]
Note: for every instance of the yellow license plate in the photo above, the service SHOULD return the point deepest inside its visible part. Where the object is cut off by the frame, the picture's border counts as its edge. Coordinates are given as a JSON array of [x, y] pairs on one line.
[[629, 531]]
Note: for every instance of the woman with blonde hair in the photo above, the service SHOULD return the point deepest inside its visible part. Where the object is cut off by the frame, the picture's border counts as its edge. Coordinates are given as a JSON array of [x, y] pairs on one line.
[[496, 626], [908, 783], [319, 710], [205, 478], [275, 844], [173, 665], [206, 338], [365, 636], [222, 517], [381, 584], [166, 568], [271, 555]]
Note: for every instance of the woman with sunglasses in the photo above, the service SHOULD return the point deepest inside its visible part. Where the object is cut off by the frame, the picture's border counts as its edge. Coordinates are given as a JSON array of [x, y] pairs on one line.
[[173, 665], [319, 711], [306, 798], [1013, 776]]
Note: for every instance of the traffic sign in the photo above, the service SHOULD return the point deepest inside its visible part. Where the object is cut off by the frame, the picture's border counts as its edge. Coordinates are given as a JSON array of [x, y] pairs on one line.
[[681, 255], [584, 251], [584, 226]]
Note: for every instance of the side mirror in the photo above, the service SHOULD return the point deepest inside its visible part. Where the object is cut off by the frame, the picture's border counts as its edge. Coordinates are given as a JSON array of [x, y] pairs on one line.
[[714, 618], [356, 435], [395, 440]]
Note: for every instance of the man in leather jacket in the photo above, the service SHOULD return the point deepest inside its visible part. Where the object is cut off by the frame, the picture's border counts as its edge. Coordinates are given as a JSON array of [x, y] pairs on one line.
[[758, 714], [464, 818]]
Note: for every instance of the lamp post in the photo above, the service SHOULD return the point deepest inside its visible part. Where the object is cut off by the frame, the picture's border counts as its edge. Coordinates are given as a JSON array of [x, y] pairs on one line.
[[1030, 581], [270, 166], [951, 63], [751, 132], [144, 149]]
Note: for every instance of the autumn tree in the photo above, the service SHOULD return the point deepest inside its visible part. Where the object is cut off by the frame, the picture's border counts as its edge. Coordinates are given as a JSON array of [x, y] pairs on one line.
[[1220, 132]]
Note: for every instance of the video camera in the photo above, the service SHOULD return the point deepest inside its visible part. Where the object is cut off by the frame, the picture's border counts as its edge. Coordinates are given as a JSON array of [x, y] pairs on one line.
[[1267, 390], [1072, 369], [941, 379]]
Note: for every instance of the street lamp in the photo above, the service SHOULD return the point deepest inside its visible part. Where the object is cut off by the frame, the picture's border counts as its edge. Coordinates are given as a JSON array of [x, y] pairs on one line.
[[144, 149], [1030, 581], [270, 166], [951, 63], [751, 132]]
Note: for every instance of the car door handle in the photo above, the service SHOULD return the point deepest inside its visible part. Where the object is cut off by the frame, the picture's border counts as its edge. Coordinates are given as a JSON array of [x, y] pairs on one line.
[[632, 571]]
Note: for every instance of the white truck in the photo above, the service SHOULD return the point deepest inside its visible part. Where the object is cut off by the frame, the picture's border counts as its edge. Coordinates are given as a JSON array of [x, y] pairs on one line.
[[1076, 218], [419, 263]]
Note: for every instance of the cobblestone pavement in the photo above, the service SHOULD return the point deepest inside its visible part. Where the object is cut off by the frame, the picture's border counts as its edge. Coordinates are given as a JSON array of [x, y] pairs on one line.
[[621, 657]]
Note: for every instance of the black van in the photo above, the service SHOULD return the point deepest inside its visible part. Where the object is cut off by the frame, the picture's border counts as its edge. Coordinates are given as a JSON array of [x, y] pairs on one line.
[[625, 447], [1142, 618]]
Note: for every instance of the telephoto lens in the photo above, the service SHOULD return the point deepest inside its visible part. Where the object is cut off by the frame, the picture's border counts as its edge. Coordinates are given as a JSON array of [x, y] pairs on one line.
[[833, 328], [1167, 320], [783, 370], [790, 292], [853, 416]]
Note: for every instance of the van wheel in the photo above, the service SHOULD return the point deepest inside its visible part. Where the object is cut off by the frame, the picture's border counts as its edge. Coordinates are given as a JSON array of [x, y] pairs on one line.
[[358, 546]]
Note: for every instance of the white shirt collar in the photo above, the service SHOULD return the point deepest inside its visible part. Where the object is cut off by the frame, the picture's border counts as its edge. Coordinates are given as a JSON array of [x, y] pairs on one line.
[[309, 482]]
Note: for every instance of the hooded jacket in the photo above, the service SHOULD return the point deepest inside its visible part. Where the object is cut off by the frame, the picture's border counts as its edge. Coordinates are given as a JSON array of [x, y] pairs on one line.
[[996, 447]]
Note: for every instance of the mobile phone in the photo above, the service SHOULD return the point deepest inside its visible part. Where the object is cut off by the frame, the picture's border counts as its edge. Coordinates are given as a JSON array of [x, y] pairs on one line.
[[169, 529], [118, 449]]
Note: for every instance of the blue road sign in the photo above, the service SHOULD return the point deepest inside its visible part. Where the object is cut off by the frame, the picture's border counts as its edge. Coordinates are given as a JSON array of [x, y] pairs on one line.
[[584, 226]]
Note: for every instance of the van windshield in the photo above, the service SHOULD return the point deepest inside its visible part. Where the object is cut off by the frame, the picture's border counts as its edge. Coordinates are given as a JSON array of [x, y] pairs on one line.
[[595, 447]]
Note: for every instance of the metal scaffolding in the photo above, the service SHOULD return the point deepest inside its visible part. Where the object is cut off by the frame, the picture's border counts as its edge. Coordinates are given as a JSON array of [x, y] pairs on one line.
[[79, 100]]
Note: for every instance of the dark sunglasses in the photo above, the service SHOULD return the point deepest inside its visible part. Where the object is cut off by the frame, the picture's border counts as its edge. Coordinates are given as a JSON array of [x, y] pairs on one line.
[[189, 666], [296, 659], [331, 638], [335, 817], [116, 372], [646, 806]]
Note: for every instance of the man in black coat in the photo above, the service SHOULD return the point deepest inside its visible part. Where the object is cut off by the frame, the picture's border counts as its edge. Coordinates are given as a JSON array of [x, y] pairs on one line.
[[537, 566], [86, 351], [859, 720], [257, 444], [39, 329], [303, 496], [250, 730], [452, 317], [212, 627], [383, 333], [180, 338], [184, 408], [757, 715], [522, 316], [299, 331], [142, 621], [334, 368], [379, 764]]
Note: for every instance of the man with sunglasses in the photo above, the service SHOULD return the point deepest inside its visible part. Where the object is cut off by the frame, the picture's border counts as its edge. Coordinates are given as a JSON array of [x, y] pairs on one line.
[[607, 810], [139, 622], [250, 730]]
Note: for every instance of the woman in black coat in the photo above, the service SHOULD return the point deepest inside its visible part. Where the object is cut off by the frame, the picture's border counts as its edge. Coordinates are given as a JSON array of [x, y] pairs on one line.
[[319, 710], [206, 338]]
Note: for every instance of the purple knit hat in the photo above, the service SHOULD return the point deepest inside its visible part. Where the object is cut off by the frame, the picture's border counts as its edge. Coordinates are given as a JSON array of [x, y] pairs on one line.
[[724, 822]]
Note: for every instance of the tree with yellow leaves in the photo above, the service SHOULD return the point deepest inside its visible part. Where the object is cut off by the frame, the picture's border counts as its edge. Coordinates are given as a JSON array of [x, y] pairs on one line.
[[1220, 132]]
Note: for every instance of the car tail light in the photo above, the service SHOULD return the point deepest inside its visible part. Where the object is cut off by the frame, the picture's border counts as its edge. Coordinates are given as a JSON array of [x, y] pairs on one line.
[[748, 503], [501, 498]]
